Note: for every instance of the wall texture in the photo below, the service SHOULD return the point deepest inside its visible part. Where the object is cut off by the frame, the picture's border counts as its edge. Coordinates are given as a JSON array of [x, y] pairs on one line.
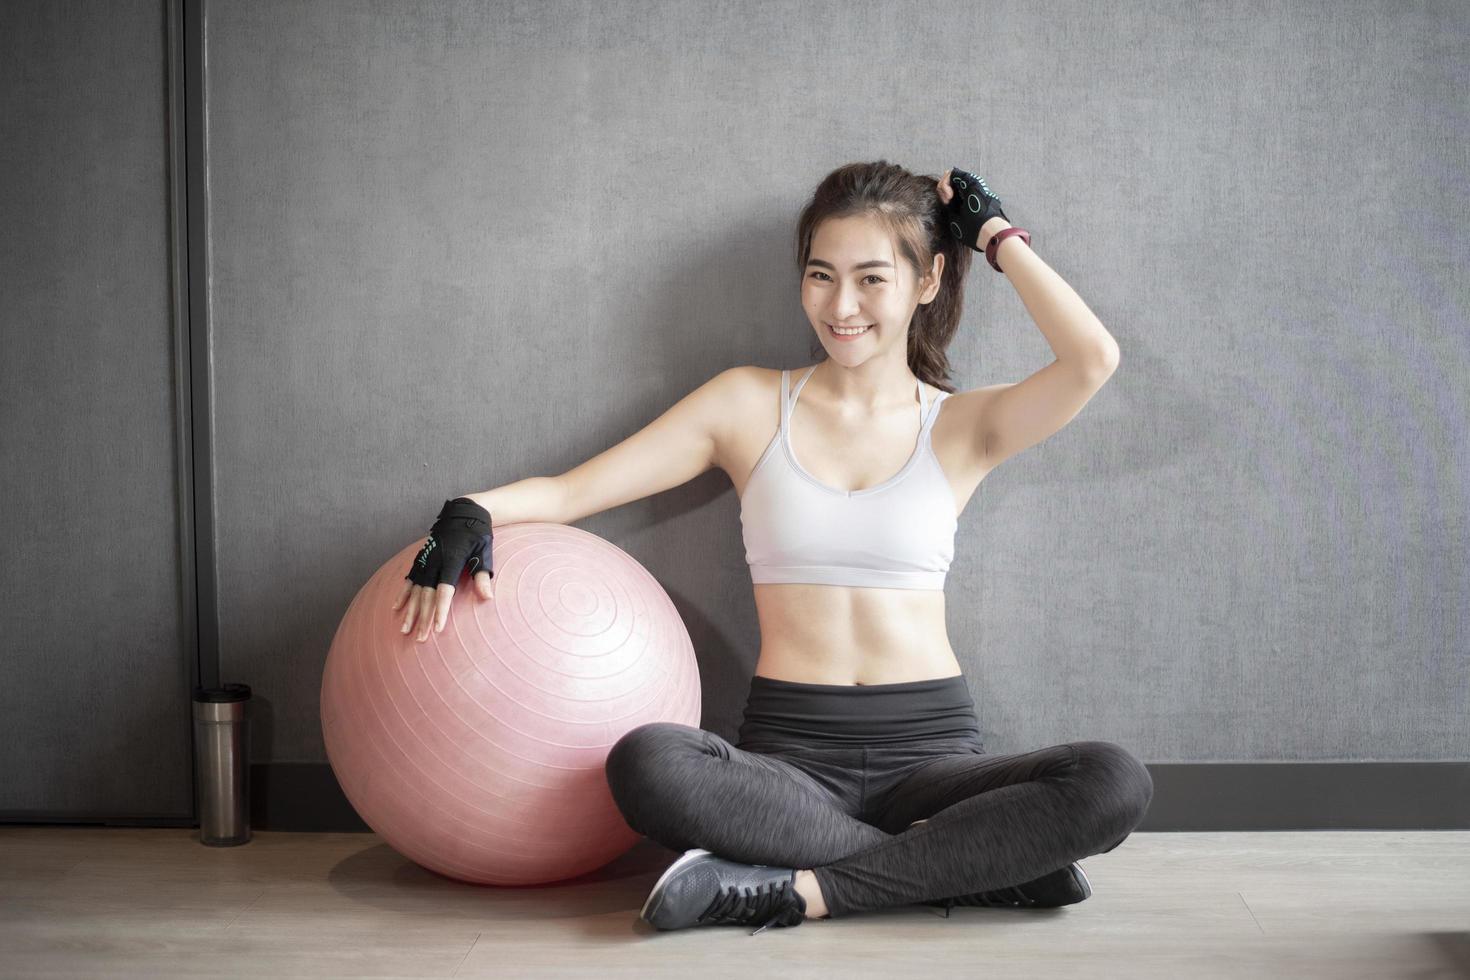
[[94, 703], [456, 245], [459, 245]]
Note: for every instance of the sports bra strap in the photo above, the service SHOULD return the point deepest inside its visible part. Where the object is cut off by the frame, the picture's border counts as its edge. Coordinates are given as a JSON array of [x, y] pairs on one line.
[[785, 399], [926, 413], [932, 412]]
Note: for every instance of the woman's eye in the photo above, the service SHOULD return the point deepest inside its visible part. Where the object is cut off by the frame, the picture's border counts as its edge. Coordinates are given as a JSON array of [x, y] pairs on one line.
[[865, 278]]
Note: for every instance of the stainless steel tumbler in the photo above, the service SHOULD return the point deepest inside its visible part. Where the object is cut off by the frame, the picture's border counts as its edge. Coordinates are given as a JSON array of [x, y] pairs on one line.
[[222, 764]]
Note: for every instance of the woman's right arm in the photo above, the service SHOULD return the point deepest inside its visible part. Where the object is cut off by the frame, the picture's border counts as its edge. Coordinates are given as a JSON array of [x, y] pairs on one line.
[[670, 451], [539, 498]]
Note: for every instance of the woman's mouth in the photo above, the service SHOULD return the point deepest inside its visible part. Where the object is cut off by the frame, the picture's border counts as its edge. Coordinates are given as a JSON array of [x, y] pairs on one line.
[[847, 333]]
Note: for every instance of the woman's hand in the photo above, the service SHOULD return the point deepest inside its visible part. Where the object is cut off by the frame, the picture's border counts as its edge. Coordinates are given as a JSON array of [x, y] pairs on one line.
[[459, 539], [946, 192], [974, 212]]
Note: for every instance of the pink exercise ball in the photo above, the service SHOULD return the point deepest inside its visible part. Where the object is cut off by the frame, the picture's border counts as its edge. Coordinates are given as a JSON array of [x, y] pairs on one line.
[[479, 753]]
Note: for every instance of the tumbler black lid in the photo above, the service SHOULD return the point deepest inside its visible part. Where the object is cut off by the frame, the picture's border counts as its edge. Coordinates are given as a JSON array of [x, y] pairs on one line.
[[230, 692]]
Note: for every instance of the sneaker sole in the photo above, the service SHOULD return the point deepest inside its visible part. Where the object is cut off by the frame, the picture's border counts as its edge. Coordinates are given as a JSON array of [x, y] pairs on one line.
[[656, 894], [1076, 881]]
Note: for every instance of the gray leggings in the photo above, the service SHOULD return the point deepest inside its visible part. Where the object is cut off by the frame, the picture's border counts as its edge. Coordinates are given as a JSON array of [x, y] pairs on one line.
[[830, 777]]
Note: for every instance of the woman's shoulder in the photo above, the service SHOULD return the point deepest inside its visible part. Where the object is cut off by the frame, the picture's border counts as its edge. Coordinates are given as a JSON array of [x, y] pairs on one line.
[[744, 376], [759, 386], [756, 371], [763, 375], [749, 381]]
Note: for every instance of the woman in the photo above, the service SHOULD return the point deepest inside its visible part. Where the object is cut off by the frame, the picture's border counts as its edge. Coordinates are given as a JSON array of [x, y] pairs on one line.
[[859, 780]]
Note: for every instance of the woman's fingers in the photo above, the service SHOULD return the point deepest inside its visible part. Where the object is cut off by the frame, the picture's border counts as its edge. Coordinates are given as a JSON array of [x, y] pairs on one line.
[[429, 608], [441, 606], [407, 590], [413, 608], [426, 613], [482, 582], [420, 611], [416, 627]]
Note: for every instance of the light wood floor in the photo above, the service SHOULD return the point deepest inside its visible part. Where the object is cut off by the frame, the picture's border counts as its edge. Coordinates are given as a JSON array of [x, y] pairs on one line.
[[95, 902]]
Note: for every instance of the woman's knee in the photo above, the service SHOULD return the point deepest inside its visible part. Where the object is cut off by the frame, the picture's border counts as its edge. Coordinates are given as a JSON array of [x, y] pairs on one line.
[[646, 777], [1120, 779], [641, 755]]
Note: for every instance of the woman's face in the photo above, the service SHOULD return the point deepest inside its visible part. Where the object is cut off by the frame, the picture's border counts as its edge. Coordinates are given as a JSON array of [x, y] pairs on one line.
[[854, 277]]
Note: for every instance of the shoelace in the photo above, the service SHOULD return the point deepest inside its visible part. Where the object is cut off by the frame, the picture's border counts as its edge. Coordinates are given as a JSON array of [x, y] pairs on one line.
[[770, 904]]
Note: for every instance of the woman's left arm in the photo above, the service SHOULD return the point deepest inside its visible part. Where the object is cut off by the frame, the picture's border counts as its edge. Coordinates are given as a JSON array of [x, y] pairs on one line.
[[1076, 336], [1010, 417], [1016, 416]]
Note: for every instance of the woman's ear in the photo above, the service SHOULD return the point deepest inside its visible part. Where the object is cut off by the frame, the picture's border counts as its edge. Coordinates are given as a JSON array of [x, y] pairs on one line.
[[932, 279]]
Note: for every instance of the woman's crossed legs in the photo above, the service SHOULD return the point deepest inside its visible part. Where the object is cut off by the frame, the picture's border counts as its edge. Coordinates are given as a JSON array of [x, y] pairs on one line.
[[880, 826]]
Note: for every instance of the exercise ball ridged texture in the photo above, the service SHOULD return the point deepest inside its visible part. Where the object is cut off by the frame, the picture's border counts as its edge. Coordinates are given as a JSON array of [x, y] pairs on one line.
[[479, 752]]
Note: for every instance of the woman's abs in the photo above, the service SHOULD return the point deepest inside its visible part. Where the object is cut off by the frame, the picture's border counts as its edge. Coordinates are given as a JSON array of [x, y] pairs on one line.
[[823, 634]]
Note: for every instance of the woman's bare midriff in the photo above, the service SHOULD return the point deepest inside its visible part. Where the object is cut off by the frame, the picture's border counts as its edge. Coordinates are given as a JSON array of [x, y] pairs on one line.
[[828, 634], [834, 634]]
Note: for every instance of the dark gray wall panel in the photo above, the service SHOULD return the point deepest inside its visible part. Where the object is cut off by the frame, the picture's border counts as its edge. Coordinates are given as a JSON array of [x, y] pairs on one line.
[[455, 246], [94, 710]]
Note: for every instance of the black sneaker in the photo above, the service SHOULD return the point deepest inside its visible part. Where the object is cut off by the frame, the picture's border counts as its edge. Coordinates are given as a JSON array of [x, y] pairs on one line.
[[701, 889], [1065, 886]]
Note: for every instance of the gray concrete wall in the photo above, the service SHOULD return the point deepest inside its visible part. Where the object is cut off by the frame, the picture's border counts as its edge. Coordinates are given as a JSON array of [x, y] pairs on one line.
[[94, 704], [458, 245]]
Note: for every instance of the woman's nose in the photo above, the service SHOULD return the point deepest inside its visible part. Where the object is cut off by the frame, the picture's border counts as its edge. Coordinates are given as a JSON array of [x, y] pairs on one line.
[[844, 306]]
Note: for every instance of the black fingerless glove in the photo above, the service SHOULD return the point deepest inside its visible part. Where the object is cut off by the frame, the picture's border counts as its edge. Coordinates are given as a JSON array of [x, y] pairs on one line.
[[460, 536], [971, 206]]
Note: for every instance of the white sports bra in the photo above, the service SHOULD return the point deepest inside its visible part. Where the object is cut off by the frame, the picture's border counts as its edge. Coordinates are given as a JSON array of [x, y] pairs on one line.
[[896, 535]]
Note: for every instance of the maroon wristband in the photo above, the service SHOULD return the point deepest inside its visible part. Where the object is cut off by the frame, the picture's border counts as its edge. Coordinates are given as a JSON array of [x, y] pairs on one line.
[[1001, 235]]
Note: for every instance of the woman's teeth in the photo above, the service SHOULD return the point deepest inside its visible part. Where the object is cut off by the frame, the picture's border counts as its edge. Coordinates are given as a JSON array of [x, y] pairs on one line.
[[849, 331]]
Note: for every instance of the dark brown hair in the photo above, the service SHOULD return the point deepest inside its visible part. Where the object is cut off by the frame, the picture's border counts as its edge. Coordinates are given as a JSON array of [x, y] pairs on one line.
[[907, 205]]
